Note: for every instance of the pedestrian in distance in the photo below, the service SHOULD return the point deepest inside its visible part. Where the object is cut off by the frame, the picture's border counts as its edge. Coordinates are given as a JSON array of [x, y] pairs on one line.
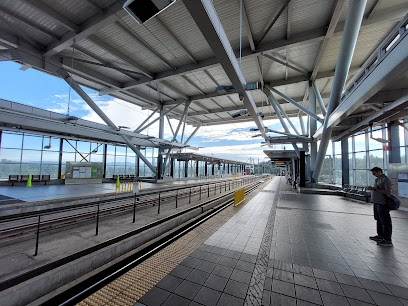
[[381, 188]]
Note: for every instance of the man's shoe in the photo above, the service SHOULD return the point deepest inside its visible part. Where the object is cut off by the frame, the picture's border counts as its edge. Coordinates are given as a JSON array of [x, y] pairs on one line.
[[376, 238], [385, 243]]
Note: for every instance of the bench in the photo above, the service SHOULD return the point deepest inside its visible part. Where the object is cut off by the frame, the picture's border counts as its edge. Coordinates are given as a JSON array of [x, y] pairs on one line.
[[45, 178], [13, 179], [356, 192]]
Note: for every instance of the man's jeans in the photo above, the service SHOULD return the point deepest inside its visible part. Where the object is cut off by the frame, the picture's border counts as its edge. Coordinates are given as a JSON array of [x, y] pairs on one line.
[[383, 218]]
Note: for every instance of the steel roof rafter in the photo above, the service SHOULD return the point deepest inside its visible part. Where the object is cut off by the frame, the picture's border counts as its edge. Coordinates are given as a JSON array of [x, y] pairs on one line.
[[20, 35], [110, 49], [57, 17], [286, 64], [210, 26], [296, 40], [273, 22], [103, 116], [87, 28], [29, 24]]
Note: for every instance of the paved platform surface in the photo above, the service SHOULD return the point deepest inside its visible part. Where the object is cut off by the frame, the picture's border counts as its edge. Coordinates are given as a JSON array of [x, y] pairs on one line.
[[52, 192], [286, 248]]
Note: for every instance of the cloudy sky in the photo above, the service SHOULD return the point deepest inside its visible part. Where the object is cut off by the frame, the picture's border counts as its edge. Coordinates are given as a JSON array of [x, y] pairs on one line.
[[231, 141]]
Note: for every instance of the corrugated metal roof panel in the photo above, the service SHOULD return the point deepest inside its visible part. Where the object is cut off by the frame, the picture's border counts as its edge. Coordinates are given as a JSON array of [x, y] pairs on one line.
[[25, 10], [261, 15], [308, 15], [76, 11], [182, 25]]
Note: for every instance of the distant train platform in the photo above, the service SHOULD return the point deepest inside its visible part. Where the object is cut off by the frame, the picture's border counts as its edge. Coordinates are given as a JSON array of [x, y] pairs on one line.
[[16, 194]]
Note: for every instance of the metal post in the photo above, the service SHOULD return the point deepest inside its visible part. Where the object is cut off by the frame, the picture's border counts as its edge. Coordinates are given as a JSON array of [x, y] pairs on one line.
[[225, 186], [208, 195], [312, 129], [394, 155], [350, 35], [200, 192], [345, 166], [158, 209], [229, 185], [38, 236], [215, 188], [220, 187], [134, 209], [97, 222], [176, 197], [189, 197]]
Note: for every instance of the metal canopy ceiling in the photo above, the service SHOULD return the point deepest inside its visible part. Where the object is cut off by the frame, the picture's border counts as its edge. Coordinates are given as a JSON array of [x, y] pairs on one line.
[[168, 60]]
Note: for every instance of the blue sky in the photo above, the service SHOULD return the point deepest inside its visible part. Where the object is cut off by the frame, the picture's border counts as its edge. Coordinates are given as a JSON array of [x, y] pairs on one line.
[[35, 88]]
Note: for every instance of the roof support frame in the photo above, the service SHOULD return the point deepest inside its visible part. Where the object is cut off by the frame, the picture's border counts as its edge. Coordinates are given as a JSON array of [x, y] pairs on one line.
[[147, 119], [274, 103], [57, 17], [210, 26], [192, 134], [319, 99], [287, 118], [64, 74], [298, 105], [273, 22], [108, 48], [162, 114], [351, 30]]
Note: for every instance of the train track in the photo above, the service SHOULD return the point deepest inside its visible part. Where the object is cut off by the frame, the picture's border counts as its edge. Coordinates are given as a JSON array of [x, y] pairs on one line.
[[85, 288], [27, 224]]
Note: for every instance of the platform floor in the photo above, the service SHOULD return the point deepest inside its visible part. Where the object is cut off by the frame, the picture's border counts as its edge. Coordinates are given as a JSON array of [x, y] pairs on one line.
[[15, 194], [278, 248]]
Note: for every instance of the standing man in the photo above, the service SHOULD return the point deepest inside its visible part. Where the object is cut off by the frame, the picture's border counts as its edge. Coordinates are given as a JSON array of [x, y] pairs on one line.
[[382, 187]]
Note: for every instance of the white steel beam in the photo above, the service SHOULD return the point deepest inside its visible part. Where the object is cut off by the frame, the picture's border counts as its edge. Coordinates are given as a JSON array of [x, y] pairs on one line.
[[87, 28], [210, 26], [103, 116], [273, 22], [348, 43], [330, 32], [298, 105]]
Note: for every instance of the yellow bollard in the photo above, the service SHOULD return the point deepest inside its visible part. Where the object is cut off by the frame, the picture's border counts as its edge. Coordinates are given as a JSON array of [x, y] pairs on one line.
[[29, 183], [117, 182]]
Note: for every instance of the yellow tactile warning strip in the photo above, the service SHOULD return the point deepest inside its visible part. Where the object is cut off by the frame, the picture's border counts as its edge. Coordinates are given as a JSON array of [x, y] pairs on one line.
[[130, 287]]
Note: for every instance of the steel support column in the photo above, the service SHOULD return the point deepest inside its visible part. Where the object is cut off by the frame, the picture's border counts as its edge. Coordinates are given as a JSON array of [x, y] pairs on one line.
[[160, 168], [351, 29], [312, 130], [394, 155], [345, 165]]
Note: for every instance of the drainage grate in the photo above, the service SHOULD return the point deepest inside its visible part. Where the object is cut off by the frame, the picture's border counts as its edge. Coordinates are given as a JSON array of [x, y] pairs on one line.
[[286, 208], [270, 191], [321, 225]]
